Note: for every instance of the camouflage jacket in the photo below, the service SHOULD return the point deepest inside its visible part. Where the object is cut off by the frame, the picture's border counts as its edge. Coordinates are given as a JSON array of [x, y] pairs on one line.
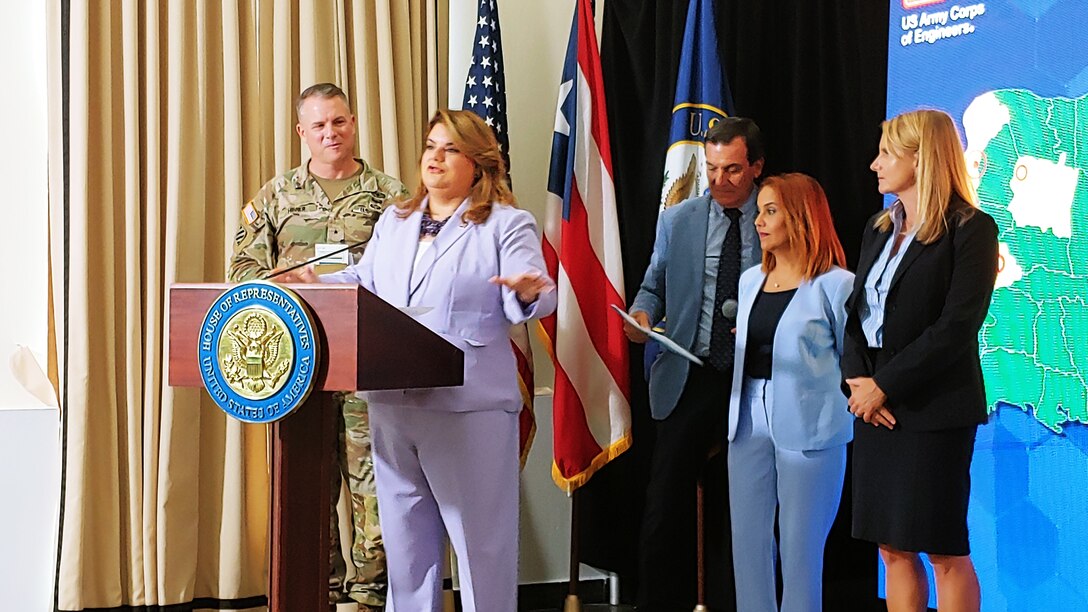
[[291, 213]]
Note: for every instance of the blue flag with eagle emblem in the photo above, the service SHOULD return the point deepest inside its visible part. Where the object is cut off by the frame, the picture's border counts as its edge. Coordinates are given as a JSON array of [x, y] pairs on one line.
[[702, 98]]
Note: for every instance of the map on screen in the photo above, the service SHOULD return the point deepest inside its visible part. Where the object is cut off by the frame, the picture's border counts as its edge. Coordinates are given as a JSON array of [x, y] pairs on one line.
[[1014, 76]]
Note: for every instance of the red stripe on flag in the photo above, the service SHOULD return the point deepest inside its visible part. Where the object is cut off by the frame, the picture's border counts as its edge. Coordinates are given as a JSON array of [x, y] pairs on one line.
[[595, 293], [575, 448], [589, 62], [527, 415], [526, 433], [551, 261]]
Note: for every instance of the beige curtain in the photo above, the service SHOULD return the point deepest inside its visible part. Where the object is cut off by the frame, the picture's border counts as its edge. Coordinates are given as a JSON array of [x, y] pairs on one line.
[[178, 111]]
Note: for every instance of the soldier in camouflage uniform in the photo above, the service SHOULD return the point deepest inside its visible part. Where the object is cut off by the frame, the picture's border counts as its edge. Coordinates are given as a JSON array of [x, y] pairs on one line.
[[331, 201]]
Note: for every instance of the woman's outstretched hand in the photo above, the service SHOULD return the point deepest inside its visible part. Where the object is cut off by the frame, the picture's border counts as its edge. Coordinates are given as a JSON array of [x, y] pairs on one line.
[[527, 285]]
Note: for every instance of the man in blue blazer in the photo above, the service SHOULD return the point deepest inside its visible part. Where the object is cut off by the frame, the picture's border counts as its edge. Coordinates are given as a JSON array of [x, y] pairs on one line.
[[702, 245]]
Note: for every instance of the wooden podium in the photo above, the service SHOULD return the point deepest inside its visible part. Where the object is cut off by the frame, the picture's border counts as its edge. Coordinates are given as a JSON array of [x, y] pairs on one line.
[[366, 345]]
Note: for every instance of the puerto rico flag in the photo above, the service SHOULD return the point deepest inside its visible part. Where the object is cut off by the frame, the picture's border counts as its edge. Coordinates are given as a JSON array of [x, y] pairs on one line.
[[591, 410]]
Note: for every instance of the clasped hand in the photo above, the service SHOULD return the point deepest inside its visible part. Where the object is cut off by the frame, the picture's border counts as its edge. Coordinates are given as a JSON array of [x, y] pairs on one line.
[[867, 402]]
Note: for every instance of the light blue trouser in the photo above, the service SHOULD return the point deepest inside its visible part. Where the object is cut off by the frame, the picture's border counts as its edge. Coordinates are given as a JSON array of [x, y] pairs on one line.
[[805, 487]]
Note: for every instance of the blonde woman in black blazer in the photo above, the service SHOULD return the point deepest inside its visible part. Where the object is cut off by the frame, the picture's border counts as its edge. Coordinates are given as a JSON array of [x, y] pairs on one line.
[[911, 365]]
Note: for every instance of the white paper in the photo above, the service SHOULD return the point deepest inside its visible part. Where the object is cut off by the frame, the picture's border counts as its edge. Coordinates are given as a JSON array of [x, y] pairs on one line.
[[664, 340], [322, 251]]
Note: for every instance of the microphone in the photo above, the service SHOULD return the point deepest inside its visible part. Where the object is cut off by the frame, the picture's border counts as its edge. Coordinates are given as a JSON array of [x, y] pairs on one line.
[[729, 309], [347, 247]]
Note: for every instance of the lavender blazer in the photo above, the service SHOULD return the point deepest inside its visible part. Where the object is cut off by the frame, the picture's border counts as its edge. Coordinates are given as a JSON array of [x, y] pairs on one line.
[[466, 309]]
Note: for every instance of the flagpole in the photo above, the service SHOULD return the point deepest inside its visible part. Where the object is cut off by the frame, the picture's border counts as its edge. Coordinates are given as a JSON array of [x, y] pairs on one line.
[[572, 603]]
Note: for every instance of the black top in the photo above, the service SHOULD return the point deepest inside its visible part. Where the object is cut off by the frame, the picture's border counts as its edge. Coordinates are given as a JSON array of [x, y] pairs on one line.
[[762, 323]]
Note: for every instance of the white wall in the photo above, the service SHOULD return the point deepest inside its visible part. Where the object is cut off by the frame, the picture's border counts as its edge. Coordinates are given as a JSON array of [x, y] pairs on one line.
[[30, 486], [534, 36], [29, 430], [24, 247]]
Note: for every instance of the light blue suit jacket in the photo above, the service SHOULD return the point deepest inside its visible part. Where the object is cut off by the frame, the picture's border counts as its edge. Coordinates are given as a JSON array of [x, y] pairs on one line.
[[809, 411], [465, 308], [679, 257]]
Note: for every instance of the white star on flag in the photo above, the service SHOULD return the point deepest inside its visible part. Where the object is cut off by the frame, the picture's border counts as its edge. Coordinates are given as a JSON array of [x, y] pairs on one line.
[[561, 124]]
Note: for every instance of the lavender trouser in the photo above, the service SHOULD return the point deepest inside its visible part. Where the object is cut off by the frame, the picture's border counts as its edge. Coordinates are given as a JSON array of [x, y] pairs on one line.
[[440, 472]]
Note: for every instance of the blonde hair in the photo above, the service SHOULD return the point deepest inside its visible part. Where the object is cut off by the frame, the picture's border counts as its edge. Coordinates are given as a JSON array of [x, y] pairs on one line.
[[809, 228], [475, 140], [941, 171]]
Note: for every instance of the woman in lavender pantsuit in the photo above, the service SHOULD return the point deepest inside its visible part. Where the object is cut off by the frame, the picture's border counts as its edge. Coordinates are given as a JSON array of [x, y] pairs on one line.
[[446, 459]]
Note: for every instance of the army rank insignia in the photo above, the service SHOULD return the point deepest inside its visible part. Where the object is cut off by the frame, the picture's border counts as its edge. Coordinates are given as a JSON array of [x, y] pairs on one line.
[[258, 352]]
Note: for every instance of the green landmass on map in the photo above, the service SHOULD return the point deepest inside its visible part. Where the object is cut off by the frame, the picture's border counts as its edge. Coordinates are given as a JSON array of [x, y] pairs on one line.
[[1034, 342]]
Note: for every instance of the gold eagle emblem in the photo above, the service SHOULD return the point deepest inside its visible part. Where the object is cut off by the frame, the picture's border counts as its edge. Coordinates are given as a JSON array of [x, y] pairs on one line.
[[255, 352], [685, 186]]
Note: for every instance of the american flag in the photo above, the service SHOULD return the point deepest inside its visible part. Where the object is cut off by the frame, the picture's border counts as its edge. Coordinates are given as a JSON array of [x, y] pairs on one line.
[[592, 410], [485, 88], [485, 95]]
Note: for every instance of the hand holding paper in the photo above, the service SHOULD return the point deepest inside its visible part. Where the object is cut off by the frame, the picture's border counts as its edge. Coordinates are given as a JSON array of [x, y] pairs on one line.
[[664, 340], [635, 329]]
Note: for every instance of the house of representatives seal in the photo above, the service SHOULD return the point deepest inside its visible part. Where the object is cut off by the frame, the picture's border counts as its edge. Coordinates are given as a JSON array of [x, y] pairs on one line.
[[258, 352]]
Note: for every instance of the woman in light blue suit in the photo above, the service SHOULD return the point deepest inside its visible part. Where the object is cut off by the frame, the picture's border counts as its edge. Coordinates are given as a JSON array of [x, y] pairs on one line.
[[788, 419], [446, 459]]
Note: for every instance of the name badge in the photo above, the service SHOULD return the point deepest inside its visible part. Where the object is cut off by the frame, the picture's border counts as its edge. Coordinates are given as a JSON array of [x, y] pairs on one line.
[[322, 249]]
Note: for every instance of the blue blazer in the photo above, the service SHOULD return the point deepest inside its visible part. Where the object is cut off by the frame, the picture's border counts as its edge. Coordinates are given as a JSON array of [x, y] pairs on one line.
[[466, 309], [679, 257], [810, 412]]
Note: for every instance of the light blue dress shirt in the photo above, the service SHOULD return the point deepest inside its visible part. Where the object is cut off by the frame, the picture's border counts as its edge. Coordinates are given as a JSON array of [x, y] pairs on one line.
[[880, 278], [750, 255]]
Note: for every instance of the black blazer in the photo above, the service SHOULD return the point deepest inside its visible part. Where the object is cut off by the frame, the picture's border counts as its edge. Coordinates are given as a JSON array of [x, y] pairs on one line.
[[929, 365]]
